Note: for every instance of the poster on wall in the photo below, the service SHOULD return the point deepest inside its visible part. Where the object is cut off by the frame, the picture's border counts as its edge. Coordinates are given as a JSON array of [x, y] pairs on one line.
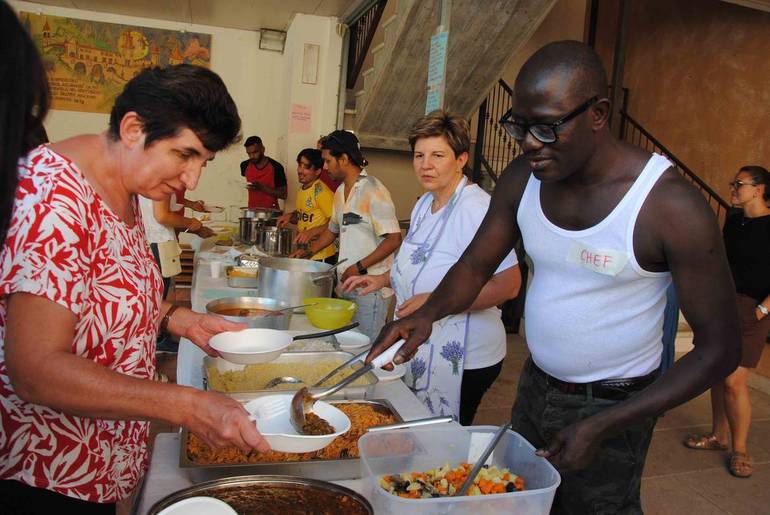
[[89, 62]]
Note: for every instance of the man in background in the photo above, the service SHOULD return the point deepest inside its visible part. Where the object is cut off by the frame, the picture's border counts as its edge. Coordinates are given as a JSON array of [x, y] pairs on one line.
[[265, 177], [314, 202]]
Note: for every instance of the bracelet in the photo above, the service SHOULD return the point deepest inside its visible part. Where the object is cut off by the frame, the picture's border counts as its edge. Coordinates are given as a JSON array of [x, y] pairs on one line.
[[360, 267], [762, 309], [167, 318]]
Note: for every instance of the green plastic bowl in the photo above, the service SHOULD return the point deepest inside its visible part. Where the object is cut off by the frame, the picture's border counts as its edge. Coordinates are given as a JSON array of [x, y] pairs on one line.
[[329, 313]]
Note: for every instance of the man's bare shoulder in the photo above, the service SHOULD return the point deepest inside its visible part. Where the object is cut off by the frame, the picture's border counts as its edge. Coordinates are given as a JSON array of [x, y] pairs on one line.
[[677, 201], [513, 179]]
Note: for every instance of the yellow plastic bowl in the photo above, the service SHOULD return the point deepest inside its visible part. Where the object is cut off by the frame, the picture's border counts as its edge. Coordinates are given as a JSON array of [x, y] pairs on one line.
[[329, 313]]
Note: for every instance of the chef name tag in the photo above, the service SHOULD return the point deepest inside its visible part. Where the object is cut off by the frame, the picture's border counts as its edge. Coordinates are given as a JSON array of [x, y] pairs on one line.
[[603, 261]]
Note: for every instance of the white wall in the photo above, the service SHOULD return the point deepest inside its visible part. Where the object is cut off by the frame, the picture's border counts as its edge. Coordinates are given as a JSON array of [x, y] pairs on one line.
[[262, 83], [321, 96]]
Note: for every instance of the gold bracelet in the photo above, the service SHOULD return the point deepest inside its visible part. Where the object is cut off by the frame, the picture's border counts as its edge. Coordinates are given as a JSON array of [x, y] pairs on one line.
[[167, 318]]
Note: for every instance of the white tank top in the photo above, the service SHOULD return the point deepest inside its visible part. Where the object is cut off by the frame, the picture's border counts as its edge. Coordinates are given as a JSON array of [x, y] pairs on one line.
[[592, 312]]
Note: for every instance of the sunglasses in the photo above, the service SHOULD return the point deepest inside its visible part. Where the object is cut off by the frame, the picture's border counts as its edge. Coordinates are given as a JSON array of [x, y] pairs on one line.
[[737, 184], [542, 132]]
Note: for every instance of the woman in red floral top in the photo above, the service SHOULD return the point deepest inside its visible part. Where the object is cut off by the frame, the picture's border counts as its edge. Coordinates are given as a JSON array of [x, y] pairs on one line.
[[80, 301]]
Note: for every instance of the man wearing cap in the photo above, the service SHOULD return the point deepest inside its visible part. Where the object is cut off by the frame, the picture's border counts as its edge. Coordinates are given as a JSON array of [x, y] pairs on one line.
[[364, 219], [265, 178]]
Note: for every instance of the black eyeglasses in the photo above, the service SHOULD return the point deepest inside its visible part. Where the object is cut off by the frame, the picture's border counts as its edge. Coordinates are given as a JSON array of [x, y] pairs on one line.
[[543, 132], [737, 184]]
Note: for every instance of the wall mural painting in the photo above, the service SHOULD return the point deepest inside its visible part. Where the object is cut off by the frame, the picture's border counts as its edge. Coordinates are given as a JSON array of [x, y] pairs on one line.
[[89, 62]]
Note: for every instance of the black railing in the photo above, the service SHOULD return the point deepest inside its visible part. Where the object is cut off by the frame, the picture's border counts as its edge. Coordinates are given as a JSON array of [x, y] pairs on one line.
[[361, 33], [494, 147], [635, 134]]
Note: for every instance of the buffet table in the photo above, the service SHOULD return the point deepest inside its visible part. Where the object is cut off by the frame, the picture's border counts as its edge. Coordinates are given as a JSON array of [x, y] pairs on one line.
[[164, 475]]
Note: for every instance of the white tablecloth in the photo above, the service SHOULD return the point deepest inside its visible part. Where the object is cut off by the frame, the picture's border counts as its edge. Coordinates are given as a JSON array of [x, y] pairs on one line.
[[164, 475]]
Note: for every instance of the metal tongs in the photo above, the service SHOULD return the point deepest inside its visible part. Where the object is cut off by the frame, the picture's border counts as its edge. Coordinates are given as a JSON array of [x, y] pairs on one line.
[[303, 400]]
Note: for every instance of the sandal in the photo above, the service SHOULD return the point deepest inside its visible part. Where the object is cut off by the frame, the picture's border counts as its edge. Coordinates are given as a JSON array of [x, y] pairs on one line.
[[741, 465], [707, 442]]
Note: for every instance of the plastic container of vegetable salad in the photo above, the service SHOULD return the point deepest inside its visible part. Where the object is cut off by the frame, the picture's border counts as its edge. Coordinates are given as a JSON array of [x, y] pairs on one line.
[[421, 449]]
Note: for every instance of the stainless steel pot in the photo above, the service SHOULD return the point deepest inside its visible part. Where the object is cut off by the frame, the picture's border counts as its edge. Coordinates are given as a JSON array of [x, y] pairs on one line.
[[292, 280], [275, 241], [278, 321], [249, 230]]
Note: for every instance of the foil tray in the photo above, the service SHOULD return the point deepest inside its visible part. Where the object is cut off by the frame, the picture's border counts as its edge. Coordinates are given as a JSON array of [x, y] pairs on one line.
[[348, 392], [330, 470]]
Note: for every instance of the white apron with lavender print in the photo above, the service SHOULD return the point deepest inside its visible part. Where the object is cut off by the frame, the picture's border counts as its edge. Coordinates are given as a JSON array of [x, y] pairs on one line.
[[435, 373]]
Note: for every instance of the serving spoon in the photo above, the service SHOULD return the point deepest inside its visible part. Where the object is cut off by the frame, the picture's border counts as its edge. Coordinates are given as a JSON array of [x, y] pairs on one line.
[[293, 380]]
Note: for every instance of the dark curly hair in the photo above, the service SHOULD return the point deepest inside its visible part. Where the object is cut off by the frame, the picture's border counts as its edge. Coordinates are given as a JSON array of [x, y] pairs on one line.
[[177, 97], [313, 156]]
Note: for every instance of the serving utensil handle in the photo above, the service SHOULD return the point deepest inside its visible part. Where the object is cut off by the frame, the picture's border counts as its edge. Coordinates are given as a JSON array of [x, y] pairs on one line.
[[413, 423], [348, 362], [482, 459], [326, 333]]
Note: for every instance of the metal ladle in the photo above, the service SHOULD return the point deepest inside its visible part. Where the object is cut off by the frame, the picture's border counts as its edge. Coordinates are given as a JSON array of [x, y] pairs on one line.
[[303, 400], [317, 276], [293, 380]]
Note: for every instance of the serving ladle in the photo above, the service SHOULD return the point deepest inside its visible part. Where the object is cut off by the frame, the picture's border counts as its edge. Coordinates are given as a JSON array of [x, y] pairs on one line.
[[303, 400], [317, 276]]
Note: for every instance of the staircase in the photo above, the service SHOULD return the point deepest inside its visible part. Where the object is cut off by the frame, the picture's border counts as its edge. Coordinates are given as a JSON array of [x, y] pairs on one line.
[[390, 93]]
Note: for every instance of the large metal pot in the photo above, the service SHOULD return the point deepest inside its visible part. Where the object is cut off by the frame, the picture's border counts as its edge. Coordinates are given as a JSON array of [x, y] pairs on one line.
[[292, 280], [278, 321], [275, 241], [249, 230]]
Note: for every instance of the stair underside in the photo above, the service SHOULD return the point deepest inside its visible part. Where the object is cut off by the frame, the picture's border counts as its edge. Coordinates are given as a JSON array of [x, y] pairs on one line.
[[482, 40]]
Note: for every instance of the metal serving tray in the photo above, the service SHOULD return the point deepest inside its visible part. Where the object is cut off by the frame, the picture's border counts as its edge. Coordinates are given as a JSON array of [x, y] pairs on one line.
[[348, 392], [231, 489], [346, 468], [235, 281]]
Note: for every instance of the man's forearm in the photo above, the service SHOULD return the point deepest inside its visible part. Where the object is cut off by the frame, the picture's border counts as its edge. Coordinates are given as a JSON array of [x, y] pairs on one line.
[[325, 239], [387, 246]]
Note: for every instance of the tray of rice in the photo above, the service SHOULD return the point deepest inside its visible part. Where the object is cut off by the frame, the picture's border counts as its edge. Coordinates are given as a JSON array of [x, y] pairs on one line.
[[245, 382], [339, 460]]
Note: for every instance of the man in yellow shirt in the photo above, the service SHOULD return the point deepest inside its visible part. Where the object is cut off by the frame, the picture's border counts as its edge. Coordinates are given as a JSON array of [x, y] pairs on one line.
[[314, 201]]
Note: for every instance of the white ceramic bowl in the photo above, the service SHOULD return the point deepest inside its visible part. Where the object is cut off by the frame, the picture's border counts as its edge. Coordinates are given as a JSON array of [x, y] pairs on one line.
[[248, 346], [199, 506], [271, 413], [352, 339]]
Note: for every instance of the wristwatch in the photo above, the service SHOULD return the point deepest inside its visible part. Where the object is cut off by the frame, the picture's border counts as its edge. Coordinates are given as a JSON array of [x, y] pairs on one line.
[[761, 307], [361, 268]]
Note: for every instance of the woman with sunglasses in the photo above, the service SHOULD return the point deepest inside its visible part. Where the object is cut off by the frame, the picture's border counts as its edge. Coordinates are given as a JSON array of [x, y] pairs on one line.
[[747, 241]]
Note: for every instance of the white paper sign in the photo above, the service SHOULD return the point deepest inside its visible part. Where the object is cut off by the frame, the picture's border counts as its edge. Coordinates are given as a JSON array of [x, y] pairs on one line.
[[603, 261]]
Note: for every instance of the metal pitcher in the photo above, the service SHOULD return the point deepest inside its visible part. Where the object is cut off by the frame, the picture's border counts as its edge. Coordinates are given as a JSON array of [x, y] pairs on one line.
[[249, 229], [275, 241]]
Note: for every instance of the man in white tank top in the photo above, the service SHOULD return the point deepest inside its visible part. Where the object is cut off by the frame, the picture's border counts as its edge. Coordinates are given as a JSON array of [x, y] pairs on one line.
[[607, 226]]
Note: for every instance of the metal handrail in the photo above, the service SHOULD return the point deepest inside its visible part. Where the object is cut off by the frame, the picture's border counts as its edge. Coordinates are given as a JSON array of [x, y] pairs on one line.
[[495, 149], [362, 31], [639, 136]]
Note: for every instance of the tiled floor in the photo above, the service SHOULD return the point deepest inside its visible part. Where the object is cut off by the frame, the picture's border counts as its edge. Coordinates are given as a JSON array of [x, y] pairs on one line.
[[676, 480]]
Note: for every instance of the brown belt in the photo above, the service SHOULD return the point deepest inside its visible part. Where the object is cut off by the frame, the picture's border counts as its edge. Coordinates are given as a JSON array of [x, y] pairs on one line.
[[611, 389]]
